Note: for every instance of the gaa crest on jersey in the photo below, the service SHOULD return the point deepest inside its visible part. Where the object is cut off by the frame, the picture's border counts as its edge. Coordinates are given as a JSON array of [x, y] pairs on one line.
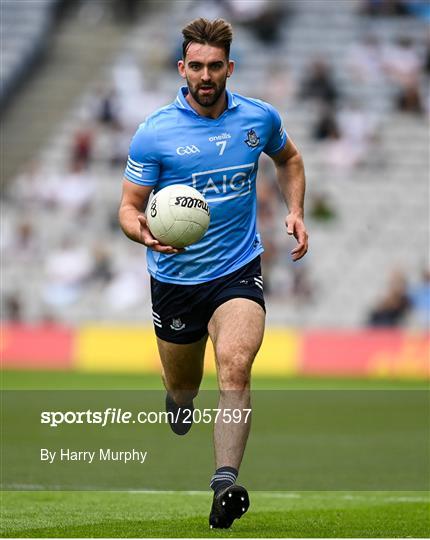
[[252, 139], [177, 324]]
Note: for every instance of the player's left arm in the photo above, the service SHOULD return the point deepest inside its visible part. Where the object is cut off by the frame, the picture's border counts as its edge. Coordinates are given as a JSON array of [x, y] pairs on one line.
[[291, 178]]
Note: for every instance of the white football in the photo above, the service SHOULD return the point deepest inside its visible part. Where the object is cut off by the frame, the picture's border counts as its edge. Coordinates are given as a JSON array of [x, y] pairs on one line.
[[178, 216]]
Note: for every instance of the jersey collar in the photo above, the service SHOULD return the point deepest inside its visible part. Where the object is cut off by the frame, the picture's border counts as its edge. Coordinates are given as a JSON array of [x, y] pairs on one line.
[[182, 103]]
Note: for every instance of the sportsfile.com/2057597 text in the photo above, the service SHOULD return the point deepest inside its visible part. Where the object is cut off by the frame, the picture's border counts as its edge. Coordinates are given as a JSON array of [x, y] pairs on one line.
[[111, 416]]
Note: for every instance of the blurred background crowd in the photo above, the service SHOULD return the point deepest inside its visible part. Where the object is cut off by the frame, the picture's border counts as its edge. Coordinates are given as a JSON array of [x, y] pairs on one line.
[[350, 79]]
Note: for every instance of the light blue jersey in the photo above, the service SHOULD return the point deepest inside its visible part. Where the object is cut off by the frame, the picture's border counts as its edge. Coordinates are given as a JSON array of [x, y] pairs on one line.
[[176, 145]]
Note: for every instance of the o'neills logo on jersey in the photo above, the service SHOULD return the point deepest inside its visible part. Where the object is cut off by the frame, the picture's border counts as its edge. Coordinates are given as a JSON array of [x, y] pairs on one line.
[[226, 183], [221, 137]]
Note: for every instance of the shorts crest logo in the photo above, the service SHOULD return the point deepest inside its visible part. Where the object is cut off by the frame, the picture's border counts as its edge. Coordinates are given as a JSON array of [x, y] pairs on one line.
[[177, 324], [252, 139]]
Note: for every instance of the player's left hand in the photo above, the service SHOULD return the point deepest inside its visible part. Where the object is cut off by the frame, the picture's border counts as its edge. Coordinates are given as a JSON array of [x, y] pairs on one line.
[[296, 227]]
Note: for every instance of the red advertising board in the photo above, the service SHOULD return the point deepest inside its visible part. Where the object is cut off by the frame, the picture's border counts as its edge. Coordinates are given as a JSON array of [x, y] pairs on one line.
[[41, 346], [365, 353], [354, 353]]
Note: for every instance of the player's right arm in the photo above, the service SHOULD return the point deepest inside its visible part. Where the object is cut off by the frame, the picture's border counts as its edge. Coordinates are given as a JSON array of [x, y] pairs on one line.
[[133, 220], [140, 177]]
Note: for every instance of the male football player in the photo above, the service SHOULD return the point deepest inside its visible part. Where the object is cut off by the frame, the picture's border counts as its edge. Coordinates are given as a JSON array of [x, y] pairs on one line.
[[211, 139]]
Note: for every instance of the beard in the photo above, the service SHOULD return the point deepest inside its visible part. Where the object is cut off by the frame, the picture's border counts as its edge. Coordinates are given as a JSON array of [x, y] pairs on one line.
[[207, 100]]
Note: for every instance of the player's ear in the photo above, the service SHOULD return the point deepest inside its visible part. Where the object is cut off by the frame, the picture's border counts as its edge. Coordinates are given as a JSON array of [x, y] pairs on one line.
[[230, 68], [181, 68]]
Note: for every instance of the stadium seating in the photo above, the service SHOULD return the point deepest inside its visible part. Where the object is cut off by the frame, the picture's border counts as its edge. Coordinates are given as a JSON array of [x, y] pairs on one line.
[[25, 34], [382, 206]]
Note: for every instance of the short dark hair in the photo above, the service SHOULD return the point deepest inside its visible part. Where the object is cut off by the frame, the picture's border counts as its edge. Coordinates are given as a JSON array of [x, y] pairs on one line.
[[218, 33]]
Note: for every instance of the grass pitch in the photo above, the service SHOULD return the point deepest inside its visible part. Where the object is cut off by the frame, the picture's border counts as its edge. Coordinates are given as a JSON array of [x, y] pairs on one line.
[[126, 514], [185, 514]]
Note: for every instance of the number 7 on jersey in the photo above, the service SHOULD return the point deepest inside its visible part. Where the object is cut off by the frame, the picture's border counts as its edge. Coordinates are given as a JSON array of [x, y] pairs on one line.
[[222, 145]]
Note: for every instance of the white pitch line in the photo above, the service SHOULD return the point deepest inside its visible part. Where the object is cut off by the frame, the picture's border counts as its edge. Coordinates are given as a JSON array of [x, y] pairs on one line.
[[165, 492], [280, 495], [389, 498], [23, 487], [264, 494], [40, 487]]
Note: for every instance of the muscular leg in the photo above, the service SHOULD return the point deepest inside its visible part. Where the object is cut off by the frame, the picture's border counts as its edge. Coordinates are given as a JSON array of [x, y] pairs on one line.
[[182, 368], [236, 330]]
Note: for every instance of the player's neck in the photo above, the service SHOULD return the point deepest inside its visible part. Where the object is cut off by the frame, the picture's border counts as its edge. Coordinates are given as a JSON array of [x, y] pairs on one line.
[[209, 112]]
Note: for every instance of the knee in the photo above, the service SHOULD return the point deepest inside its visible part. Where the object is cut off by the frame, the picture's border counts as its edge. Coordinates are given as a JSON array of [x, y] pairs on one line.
[[234, 370]]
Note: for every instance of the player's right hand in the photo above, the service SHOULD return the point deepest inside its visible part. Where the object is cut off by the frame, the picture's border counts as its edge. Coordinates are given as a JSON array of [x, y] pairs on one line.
[[150, 242]]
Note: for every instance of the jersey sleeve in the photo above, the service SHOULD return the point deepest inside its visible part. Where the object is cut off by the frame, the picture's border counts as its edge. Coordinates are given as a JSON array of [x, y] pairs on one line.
[[278, 136], [143, 164]]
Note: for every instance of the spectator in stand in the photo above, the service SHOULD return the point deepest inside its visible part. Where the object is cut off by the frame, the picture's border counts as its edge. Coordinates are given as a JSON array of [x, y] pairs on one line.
[[364, 60], [105, 106], [356, 124], [267, 213], [18, 242], [403, 67], [420, 299], [67, 270], [268, 196], [102, 270], [263, 17], [384, 8], [326, 126], [401, 61], [119, 140], [426, 63], [29, 188], [426, 73], [409, 99], [127, 11], [12, 308], [318, 83], [321, 209], [25, 245], [302, 290], [82, 147], [74, 190], [392, 308], [349, 148], [282, 87], [126, 288]]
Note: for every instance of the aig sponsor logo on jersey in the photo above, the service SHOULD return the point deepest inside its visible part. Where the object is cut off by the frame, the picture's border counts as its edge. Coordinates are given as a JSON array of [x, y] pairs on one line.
[[187, 150], [226, 183]]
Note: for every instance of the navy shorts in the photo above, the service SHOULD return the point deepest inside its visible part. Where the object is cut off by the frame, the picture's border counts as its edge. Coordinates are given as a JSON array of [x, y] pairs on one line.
[[181, 313]]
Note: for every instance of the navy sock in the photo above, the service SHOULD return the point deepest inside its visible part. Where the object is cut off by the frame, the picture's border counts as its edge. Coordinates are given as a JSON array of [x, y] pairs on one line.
[[223, 477]]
